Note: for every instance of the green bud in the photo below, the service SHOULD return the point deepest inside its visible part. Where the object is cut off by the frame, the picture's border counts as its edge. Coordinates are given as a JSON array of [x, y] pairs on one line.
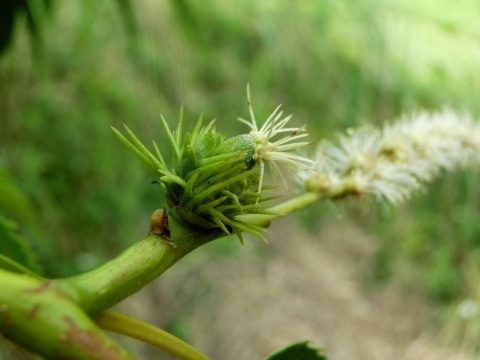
[[242, 142], [211, 180]]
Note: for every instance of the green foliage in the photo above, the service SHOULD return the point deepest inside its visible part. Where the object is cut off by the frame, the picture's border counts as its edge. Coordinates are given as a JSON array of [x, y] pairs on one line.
[[442, 278], [35, 12], [61, 151], [13, 201], [435, 240], [15, 253], [298, 351], [12, 10]]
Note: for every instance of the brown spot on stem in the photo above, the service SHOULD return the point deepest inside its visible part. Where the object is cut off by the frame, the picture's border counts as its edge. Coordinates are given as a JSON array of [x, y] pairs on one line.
[[8, 322], [43, 286], [5, 321], [33, 311], [91, 342], [61, 295]]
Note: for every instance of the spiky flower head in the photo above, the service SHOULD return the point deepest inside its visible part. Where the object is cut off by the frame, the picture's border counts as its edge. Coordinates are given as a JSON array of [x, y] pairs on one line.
[[210, 181], [278, 152]]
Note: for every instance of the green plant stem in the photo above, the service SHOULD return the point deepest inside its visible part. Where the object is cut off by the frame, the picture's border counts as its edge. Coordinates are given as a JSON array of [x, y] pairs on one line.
[[36, 315], [103, 287], [299, 202], [287, 207], [126, 325]]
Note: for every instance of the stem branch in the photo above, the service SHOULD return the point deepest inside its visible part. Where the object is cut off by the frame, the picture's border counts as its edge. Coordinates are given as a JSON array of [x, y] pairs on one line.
[[126, 325], [299, 202]]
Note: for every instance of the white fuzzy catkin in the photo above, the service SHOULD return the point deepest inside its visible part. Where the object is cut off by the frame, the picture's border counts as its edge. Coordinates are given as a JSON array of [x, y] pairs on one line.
[[393, 163]]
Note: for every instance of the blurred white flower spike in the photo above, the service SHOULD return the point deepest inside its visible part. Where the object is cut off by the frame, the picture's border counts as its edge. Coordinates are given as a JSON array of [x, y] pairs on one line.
[[277, 153], [392, 163]]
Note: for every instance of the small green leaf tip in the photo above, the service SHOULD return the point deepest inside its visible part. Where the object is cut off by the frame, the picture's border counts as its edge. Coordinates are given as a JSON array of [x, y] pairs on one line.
[[298, 351], [210, 181]]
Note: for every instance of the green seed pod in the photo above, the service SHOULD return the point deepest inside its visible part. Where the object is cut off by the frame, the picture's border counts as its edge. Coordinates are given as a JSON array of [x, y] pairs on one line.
[[242, 142]]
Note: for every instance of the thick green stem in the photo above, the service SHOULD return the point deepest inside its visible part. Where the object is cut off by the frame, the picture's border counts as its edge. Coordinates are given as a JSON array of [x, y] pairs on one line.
[[52, 317], [103, 287], [34, 314]]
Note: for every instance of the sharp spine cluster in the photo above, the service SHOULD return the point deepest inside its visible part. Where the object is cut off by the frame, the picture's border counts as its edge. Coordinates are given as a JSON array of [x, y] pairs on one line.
[[210, 180]]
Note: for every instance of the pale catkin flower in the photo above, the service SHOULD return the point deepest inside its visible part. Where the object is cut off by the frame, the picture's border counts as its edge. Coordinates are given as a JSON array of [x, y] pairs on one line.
[[392, 163], [277, 152]]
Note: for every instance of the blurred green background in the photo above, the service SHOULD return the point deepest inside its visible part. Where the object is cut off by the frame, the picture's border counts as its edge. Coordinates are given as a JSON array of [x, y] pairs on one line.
[[70, 70]]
